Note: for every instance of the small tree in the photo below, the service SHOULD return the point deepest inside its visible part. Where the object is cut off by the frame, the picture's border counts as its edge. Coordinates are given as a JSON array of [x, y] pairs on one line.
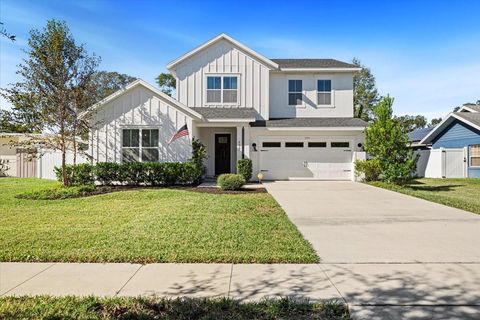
[[386, 142], [199, 154]]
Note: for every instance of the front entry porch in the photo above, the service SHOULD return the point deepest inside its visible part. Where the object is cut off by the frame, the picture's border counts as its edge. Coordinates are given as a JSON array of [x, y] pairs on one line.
[[225, 144]]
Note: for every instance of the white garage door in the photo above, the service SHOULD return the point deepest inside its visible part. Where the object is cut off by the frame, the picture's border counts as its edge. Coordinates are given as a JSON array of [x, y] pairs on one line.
[[322, 159]]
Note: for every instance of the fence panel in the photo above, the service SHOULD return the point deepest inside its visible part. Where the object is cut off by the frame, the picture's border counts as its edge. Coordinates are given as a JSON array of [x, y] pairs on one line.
[[49, 159]]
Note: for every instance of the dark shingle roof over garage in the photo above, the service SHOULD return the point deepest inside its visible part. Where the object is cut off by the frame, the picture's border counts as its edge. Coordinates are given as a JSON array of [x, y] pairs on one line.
[[311, 122], [227, 113], [312, 63]]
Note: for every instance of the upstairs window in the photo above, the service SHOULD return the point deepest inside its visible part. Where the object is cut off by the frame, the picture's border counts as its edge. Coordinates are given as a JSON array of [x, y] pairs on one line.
[[324, 92], [140, 145], [222, 90], [294, 92]]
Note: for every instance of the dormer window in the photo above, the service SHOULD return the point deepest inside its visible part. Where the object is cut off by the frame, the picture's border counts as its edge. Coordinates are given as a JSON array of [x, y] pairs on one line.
[[324, 92], [294, 92], [222, 89]]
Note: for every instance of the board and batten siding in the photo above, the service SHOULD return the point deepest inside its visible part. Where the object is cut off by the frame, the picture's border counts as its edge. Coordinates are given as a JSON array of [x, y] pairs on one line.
[[223, 58], [138, 108], [342, 95]]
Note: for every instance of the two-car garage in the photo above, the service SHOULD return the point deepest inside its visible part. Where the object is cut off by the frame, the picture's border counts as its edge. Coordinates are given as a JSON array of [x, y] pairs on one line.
[[320, 158]]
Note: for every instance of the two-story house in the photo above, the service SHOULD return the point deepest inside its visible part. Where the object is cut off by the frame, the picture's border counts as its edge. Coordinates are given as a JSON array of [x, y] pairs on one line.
[[292, 117]]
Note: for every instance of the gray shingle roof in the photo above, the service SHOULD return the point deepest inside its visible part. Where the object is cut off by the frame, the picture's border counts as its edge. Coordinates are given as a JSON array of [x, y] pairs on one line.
[[419, 134], [227, 113], [472, 106], [311, 122], [312, 63], [470, 117]]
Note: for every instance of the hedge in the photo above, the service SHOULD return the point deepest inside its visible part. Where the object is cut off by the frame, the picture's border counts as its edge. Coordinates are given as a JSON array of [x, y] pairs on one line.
[[132, 173]]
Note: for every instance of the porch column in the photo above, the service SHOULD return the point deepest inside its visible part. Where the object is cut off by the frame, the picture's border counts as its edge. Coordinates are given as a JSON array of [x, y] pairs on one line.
[[243, 142]]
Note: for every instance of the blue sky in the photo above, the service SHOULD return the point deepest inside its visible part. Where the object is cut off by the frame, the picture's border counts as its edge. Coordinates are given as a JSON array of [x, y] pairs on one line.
[[426, 54]]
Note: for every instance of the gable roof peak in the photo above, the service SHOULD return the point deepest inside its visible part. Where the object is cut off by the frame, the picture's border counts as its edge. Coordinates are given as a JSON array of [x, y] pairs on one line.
[[221, 36]]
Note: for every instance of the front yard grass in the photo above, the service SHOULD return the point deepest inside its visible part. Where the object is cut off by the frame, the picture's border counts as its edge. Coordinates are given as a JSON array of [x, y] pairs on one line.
[[458, 193], [45, 307], [147, 225]]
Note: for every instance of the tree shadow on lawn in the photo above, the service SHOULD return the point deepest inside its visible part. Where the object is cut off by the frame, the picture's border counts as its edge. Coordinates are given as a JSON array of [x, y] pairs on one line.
[[443, 188]]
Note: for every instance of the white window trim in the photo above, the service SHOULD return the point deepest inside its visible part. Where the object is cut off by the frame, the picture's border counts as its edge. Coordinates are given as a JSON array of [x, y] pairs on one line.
[[332, 93], [221, 75], [302, 105], [470, 155], [139, 128]]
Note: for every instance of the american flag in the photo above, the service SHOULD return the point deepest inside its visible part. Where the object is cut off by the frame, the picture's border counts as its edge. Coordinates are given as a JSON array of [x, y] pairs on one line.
[[182, 132]]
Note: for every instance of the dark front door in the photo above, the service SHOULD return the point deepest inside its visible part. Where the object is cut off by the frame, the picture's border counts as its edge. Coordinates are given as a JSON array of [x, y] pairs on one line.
[[222, 153]]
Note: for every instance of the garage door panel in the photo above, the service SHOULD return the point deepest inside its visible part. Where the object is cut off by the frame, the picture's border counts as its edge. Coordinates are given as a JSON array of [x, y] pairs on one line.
[[324, 163]]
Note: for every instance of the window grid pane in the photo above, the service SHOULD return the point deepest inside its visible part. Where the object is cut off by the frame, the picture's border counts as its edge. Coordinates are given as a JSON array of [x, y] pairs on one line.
[[229, 96], [475, 155], [214, 82], [324, 85], [230, 83], [340, 144], [131, 138], [271, 144], [294, 99], [130, 154], [324, 98], [214, 96], [293, 144], [150, 138], [150, 154]]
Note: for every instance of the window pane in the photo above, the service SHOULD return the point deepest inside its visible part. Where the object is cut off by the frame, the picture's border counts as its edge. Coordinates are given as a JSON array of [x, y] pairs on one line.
[[150, 155], [214, 95], [150, 138], [229, 82], [291, 85], [293, 144], [130, 154], [130, 138], [340, 144], [475, 161], [324, 98], [317, 144], [271, 144], [294, 99], [324, 85], [230, 96], [213, 83]]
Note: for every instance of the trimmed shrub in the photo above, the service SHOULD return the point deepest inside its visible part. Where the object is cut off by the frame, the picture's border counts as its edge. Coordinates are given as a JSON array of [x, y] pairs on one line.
[[369, 169], [77, 175], [107, 173], [58, 193], [133, 173], [244, 167], [231, 181]]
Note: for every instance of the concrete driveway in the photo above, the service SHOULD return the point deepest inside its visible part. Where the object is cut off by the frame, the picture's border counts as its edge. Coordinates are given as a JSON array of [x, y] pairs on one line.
[[389, 255]]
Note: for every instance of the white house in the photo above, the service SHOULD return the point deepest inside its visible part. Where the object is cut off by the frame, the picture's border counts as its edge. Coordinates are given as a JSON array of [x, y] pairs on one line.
[[292, 117]]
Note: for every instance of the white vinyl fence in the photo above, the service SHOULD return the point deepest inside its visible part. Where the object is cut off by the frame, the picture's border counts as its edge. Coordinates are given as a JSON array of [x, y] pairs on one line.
[[442, 163], [49, 159]]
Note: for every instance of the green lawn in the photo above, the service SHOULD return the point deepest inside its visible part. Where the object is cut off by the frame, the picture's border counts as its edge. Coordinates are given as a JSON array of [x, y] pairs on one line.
[[459, 193], [147, 225], [155, 308]]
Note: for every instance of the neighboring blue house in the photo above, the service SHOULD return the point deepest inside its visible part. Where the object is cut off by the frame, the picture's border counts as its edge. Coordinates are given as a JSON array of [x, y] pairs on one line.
[[459, 130]]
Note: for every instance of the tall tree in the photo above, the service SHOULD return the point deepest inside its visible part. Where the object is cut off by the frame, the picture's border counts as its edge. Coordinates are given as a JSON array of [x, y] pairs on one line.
[[24, 117], [409, 123], [166, 82], [388, 143], [57, 74], [365, 94], [107, 82]]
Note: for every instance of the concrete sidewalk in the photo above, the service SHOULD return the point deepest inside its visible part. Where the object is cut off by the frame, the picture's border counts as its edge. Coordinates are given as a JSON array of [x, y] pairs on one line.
[[372, 291]]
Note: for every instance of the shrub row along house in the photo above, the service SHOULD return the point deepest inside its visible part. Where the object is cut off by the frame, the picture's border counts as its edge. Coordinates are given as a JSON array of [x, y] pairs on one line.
[[452, 148], [292, 117]]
